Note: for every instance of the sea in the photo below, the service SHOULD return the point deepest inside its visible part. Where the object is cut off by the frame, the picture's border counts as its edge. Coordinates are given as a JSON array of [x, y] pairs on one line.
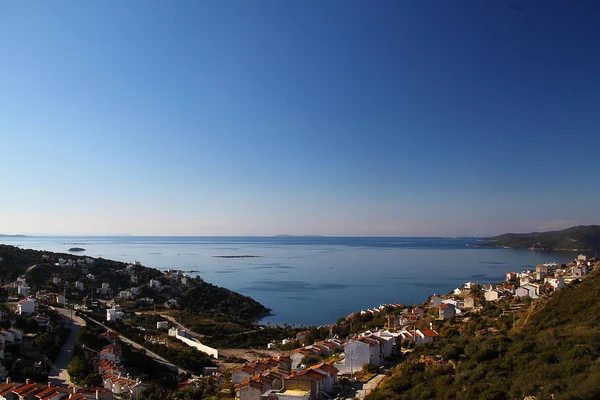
[[314, 280]]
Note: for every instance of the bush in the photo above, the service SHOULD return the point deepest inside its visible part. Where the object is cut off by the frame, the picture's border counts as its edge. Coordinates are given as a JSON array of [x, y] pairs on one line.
[[309, 360], [371, 368]]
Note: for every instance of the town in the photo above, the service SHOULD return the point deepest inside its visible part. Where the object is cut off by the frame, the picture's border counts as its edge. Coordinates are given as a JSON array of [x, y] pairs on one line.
[[71, 329]]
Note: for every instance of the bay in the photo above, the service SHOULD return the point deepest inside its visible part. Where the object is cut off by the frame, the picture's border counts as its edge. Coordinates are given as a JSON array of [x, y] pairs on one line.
[[313, 280]]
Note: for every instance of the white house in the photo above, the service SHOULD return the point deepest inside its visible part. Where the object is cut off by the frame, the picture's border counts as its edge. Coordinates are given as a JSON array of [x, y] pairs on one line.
[[79, 285], [115, 313], [533, 290], [424, 336], [26, 306], [360, 352], [124, 386], [162, 325], [91, 277], [524, 279], [557, 282], [491, 295], [522, 292], [56, 280]]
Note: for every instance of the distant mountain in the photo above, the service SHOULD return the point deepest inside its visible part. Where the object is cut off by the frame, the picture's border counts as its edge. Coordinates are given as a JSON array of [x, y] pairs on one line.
[[3, 235], [577, 238], [303, 236]]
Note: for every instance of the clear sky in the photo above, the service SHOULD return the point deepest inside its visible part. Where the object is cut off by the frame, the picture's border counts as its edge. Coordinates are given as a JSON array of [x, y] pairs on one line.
[[298, 117]]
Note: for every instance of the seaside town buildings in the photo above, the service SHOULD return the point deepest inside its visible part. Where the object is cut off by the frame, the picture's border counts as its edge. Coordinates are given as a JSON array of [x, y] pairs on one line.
[[285, 377]]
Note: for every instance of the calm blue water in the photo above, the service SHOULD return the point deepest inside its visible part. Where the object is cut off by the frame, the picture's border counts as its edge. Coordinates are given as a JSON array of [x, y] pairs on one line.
[[315, 280]]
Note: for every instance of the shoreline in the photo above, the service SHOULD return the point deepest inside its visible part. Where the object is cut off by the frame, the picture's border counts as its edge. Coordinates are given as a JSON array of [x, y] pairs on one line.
[[406, 288]]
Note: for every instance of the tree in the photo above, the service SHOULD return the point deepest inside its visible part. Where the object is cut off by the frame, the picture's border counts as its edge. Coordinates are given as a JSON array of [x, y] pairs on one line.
[[77, 368], [311, 359], [91, 380]]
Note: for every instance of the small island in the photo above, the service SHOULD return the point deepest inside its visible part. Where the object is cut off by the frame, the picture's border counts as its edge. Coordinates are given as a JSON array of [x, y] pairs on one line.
[[76, 249]]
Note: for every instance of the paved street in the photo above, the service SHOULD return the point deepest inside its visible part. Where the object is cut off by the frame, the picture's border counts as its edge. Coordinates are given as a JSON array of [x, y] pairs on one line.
[[58, 371]]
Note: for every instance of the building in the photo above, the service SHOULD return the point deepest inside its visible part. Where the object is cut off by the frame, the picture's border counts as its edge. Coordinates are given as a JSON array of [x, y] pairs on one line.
[[26, 306], [79, 285], [491, 295], [447, 312], [115, 313], [425, 336], [557, 282], [396, 321], [124, 386], [511, 276], [154, 283], [469, 302], [360, 352], [23, 291], [541, 271], [162, 325], [435, 301]]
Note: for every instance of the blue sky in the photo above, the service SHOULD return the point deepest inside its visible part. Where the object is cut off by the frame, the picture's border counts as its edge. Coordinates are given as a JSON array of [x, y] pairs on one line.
[[268, 117]]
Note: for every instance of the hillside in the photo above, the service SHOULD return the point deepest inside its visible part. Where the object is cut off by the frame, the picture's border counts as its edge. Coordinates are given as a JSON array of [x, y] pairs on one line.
[[196, 298], [552, 353], [577, 238]]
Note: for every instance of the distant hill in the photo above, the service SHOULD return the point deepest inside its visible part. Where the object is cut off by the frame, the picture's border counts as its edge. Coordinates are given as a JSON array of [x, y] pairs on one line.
[[577, 238], [301, 236], [3, 235]]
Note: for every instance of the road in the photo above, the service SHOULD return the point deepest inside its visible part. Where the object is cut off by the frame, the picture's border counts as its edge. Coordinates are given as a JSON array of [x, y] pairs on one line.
[[58, 371], [149, 353]]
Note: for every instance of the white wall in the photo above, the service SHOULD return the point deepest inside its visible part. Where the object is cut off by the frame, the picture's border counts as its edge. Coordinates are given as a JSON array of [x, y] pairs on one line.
[[193, 343], [357, 354]]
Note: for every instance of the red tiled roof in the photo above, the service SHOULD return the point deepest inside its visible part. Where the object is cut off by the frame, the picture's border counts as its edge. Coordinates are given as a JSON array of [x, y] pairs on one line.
[[312, 373], [428, 332], [368, 341], [7, 388], [25, 389]]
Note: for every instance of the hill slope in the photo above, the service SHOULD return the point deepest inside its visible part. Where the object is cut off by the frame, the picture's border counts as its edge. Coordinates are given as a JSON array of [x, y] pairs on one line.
[[578, 238], [553, 355]]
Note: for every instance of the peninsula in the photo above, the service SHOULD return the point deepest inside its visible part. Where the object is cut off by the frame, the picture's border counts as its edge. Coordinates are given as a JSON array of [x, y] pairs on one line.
[[577, 238]]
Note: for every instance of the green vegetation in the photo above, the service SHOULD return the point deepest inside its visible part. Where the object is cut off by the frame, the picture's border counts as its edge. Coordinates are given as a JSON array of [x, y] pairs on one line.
[[583, 237], [552, 354]]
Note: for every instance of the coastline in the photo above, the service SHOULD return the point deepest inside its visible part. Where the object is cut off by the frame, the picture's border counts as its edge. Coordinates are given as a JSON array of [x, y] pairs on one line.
[[314, 284]]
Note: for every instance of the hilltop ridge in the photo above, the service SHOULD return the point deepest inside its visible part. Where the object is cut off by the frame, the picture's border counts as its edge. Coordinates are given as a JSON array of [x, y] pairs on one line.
[[576, 238]]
